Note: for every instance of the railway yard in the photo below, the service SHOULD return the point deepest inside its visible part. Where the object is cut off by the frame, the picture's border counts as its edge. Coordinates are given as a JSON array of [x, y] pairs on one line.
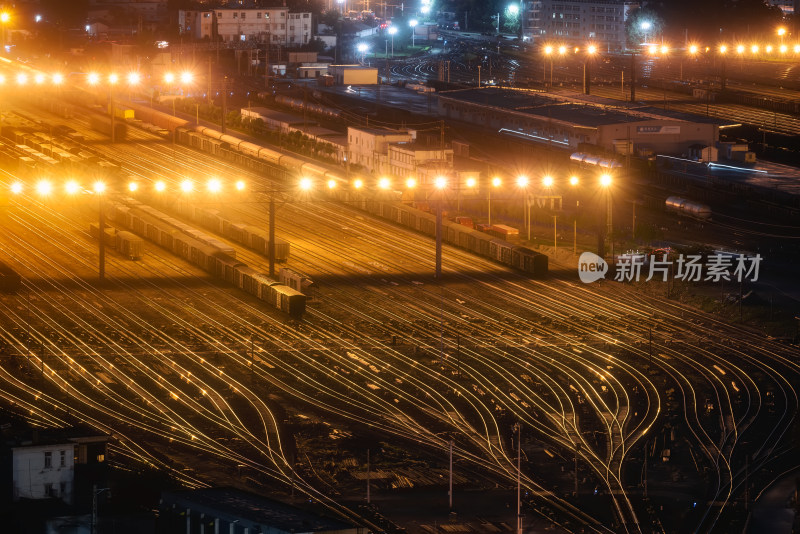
[[635, 413]]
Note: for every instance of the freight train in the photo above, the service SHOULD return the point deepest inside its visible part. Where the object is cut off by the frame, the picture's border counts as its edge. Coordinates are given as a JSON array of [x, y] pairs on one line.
[[252, 237], [126, 243], [269, 161], [688, 208], [209, 258], [274, 164]]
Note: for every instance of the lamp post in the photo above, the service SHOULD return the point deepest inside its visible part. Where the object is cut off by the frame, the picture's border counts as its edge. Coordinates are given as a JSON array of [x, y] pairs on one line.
[[4, 19], [573, 182], [392, 31], [645, 26], [95, 493], [522, 183], [590, 51], [548, 53], [605, 182], [496, 182], [413, 23], [362, 47], [439, 183]]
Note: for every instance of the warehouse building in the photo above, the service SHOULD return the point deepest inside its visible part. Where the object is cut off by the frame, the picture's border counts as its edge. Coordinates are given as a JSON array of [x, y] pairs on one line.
[[575, 122]]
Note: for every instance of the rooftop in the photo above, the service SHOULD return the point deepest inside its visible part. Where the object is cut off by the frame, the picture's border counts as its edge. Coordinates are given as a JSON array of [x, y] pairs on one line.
[[256, 509]]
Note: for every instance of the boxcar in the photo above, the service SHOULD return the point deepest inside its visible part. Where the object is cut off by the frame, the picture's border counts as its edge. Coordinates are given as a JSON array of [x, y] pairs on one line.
[[129, 245]]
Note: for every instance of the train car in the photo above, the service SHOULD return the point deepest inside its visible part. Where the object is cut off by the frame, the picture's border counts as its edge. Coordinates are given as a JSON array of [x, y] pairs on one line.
[[688, 208], [496, 246], [103, 125], [258, 240], [10, 280], [290, 301], [504, 232], [297, 281], [530, 261], [157, 118], [109, 231], [500, 250], [129, 245]]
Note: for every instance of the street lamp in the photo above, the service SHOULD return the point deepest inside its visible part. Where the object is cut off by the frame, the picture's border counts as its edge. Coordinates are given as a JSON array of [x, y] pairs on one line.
[[496, 182], [392, 31], [590, 51], [548, 53], [573, 182], [362, 47], [522, 183], [413, 23], [440, 182], [93, 79], [645, 26], [605, 182], [4, 18]]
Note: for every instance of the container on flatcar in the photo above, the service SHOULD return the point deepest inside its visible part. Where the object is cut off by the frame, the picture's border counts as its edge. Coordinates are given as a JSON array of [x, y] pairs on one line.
[[504, 232]]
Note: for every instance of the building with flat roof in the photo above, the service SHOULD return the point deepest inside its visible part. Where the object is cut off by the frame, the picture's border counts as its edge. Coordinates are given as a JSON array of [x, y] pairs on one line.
[[273, 24], [571, 122], [235, 511], [576, 22]]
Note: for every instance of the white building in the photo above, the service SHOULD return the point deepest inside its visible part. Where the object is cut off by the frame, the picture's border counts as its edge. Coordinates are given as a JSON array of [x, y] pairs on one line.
[[422, 162], [41, 471], [235, 25], [369, 147], [577, 22]]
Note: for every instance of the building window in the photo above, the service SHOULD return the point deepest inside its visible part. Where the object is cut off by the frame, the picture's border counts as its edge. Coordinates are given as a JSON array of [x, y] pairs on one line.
[[48, 460], [244, 15], [49, 490], [236, 15], [283, 26], [63, 459], [305, 15], [219, 14], [258, 15]]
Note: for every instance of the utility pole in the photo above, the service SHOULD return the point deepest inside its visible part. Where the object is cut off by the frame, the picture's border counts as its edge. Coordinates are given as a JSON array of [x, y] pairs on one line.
[[439, 238], [271, 244], [102, 230], [577, 448], [451, 474], [266, 61], [224, 101], [519, 479], [555, 233]]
